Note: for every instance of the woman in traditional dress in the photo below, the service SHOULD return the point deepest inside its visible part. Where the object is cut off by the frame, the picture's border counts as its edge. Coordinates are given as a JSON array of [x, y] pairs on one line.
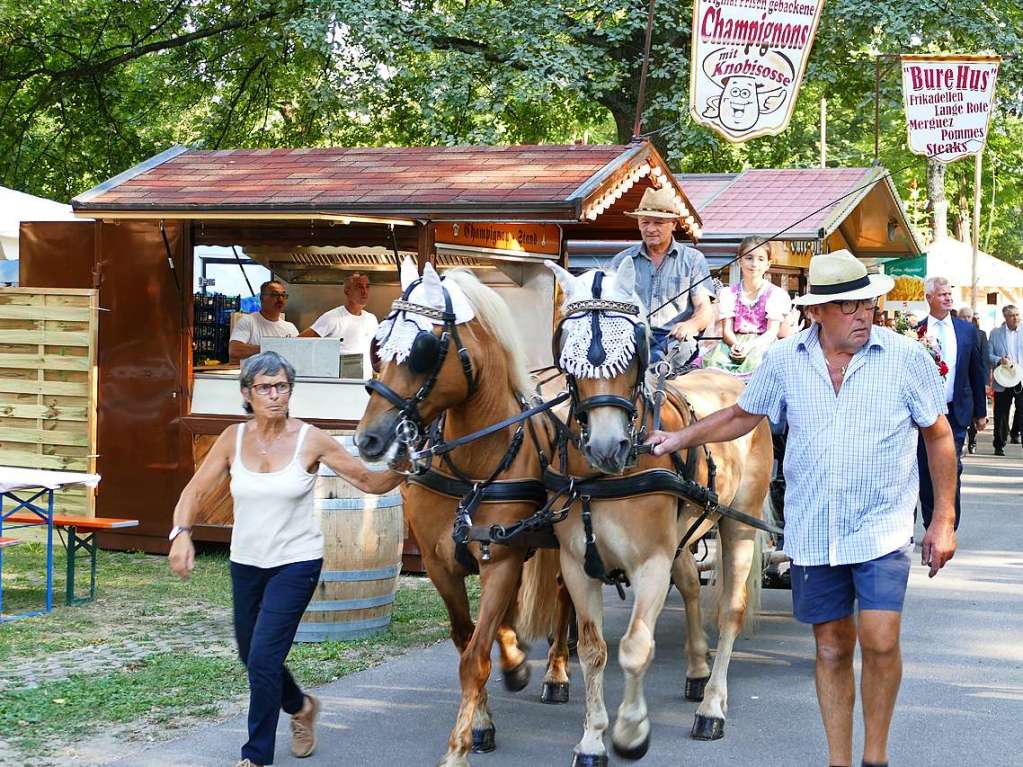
[[750, 312]]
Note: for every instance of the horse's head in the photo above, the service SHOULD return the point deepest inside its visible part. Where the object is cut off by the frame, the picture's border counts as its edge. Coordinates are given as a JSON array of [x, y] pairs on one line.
[[427, 363], [602, 345]]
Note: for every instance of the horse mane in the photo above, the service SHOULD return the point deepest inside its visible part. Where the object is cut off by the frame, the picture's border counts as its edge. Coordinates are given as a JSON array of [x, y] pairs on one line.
[[494, 315]]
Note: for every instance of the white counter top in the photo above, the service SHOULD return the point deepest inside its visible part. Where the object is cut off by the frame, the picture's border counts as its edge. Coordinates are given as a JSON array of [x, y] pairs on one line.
[[216, 392]]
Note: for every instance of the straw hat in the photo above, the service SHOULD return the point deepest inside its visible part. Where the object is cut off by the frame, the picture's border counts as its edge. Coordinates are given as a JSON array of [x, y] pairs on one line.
[[840, 276], [657, 202], [1008, 376]]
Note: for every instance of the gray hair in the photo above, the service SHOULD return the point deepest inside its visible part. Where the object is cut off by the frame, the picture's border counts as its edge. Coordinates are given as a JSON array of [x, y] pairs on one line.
[[264, 363], [932, 283], [965, 312], [1008, 308]]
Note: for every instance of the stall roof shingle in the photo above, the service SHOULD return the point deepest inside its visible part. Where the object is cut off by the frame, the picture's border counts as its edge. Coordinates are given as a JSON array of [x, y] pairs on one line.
[[351, 179], [798, 201]]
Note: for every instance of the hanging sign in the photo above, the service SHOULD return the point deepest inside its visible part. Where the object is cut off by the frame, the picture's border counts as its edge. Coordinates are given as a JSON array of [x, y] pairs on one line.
[[948, 103], [528, 239], [747, 62], [909, 274]]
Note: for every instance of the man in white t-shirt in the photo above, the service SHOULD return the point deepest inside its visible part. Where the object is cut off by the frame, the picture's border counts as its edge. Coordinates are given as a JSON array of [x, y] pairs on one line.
[[351, 323], [266, 323]]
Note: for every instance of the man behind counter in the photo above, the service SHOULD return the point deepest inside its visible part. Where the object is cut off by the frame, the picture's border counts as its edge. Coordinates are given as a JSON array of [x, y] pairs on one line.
[[266, 323], [351, 323]]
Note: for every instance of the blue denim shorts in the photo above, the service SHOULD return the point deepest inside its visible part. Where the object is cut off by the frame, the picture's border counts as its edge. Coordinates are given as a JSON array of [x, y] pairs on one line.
[[821, 593]]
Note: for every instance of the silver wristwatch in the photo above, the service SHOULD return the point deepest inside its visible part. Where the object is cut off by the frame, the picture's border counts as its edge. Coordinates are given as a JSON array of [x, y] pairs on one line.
[[178, 530]]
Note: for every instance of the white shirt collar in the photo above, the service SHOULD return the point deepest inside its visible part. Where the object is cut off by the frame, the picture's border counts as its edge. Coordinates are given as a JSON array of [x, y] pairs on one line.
[[946, 321]]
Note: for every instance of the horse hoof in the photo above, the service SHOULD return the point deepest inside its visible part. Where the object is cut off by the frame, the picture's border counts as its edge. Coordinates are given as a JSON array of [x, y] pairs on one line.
[[589, 760], [634, 753], [554, 692], [695, 687], [708, 728], [517, 678], [483, 740]]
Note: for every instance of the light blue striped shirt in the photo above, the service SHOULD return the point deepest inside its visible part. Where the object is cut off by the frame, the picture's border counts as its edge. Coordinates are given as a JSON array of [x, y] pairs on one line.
[[850, 462]]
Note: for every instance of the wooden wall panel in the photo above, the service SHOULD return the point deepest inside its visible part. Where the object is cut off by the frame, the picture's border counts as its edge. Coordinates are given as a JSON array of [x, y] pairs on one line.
[[48, 348]]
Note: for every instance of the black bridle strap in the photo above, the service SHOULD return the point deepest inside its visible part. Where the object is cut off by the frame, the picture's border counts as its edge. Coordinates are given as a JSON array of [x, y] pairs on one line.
[[651, 482], [447, 447]]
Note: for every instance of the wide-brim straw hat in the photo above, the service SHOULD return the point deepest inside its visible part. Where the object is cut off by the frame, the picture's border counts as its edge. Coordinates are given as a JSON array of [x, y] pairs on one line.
[[840, 276], [1008, 376], [657, 202]]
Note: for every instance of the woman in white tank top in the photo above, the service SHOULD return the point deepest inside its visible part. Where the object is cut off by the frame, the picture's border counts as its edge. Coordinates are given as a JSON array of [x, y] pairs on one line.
[[276, 542]]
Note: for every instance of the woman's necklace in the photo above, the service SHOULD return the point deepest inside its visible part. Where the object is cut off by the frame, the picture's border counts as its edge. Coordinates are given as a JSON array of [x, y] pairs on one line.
[[264, 448]]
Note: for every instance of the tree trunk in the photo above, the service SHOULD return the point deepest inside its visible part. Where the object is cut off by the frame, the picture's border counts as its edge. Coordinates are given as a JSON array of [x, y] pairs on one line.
[[936, 198]]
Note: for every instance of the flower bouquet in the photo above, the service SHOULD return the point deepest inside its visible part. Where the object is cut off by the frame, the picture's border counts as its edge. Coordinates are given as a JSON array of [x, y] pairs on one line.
[[933, 348]]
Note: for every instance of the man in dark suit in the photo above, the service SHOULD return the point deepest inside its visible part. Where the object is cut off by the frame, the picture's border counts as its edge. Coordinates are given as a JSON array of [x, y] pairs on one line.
[[966, 314], [964, 383]]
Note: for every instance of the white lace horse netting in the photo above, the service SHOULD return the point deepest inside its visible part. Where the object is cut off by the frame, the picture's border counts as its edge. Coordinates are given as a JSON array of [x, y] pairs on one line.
[[617, 336], [395, 335]]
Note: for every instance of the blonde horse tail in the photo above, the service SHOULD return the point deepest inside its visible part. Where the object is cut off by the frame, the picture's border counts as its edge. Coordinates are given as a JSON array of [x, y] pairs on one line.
[[537, 613], [754, 585]]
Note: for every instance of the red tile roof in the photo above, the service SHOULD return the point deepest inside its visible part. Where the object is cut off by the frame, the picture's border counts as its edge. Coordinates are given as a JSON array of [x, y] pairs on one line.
[[701, 188], [764, 202], [354, 179]]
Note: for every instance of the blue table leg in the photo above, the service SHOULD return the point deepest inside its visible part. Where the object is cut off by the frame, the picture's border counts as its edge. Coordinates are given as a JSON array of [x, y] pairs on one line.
[[49, 552]]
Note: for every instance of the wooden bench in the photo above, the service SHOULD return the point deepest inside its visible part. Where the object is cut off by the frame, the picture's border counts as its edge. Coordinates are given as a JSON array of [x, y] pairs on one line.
[[75, 542], [5, 542]]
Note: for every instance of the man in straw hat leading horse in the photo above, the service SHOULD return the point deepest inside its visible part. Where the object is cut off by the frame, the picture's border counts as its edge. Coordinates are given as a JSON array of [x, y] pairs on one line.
[[666, 271], [856, 396]]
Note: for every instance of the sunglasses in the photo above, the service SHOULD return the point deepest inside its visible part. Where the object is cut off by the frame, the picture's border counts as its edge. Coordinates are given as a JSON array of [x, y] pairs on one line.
[[851, 307]]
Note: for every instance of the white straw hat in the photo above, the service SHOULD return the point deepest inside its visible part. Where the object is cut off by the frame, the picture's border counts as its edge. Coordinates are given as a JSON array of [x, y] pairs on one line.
[[840, 276], [657, 202], [1008, 376]]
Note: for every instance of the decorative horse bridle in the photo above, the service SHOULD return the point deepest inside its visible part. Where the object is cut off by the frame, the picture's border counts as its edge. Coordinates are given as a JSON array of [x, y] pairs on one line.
[[596, 356], [426, 356]]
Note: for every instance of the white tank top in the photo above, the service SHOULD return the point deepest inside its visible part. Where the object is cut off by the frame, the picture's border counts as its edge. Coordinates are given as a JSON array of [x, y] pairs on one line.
[[274, 512]]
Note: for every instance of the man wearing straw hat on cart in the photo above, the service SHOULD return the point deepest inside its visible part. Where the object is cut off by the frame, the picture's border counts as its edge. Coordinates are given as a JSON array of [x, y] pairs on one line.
[[856, 396], [667, 273]]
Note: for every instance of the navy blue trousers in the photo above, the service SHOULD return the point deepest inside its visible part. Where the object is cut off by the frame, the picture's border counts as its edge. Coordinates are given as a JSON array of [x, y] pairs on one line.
[[268, 605], [926, 487]]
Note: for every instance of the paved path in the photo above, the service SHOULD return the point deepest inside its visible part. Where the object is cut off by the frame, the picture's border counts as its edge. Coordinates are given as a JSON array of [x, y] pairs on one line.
[[961, 701]]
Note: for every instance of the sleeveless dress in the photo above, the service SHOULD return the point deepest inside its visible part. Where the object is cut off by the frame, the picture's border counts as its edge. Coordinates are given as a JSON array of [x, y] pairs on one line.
[[749, 322], [274, 512]]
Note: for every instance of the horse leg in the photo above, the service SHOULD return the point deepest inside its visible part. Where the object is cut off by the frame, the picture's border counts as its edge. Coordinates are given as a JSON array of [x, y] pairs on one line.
[[630, 735], [737, 543], [588, 598], [687, 578], [499, 583], [555, 681], [514, 668]]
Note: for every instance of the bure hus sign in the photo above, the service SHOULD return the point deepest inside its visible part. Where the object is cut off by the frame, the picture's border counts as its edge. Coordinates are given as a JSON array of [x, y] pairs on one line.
[[948, 103], [748, 59]]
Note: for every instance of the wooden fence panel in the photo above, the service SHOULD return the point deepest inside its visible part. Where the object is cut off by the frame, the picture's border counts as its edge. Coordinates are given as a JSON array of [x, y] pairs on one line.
[[48, 384]]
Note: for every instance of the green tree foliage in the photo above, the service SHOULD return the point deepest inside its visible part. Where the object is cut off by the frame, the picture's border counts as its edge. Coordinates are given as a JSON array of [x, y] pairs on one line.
[[90, 87]]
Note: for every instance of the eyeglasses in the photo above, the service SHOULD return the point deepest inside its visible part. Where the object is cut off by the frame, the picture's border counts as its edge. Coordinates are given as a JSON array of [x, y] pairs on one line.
[[276, 295], [263, 390], [851, 307]]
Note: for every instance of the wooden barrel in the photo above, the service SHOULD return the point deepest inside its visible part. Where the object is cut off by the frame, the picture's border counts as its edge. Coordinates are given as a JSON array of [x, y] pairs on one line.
[[361, 560]]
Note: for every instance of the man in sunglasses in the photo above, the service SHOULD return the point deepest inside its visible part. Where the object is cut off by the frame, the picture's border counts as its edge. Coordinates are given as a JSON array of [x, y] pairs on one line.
[[855, 397], [266, 323]]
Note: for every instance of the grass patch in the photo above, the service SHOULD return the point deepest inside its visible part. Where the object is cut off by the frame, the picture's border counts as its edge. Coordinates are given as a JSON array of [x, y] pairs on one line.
[[139, 599]]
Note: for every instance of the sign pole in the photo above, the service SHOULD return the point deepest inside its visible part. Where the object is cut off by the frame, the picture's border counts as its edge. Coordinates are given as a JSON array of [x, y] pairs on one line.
[[976, 227]]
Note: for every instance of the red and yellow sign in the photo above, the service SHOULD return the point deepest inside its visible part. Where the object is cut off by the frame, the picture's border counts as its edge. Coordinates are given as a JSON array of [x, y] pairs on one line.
[[541, 239]]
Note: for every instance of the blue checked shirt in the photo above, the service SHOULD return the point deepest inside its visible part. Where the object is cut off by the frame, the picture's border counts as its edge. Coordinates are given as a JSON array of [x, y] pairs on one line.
[[850, 462], [681, 267]]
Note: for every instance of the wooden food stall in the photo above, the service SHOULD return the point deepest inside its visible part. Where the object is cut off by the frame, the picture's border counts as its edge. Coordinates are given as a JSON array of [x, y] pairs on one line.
[[313, 217]]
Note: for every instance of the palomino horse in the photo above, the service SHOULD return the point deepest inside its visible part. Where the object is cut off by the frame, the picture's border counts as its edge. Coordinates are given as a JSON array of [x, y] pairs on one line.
[[601, 346], [450, 348]]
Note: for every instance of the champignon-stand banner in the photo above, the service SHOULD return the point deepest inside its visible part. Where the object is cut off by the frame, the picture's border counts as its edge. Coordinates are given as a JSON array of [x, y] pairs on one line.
[[747, 63]]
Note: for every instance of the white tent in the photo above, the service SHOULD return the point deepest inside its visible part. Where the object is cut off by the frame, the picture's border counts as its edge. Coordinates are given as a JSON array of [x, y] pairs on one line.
[[953, 259], [16, 207]]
